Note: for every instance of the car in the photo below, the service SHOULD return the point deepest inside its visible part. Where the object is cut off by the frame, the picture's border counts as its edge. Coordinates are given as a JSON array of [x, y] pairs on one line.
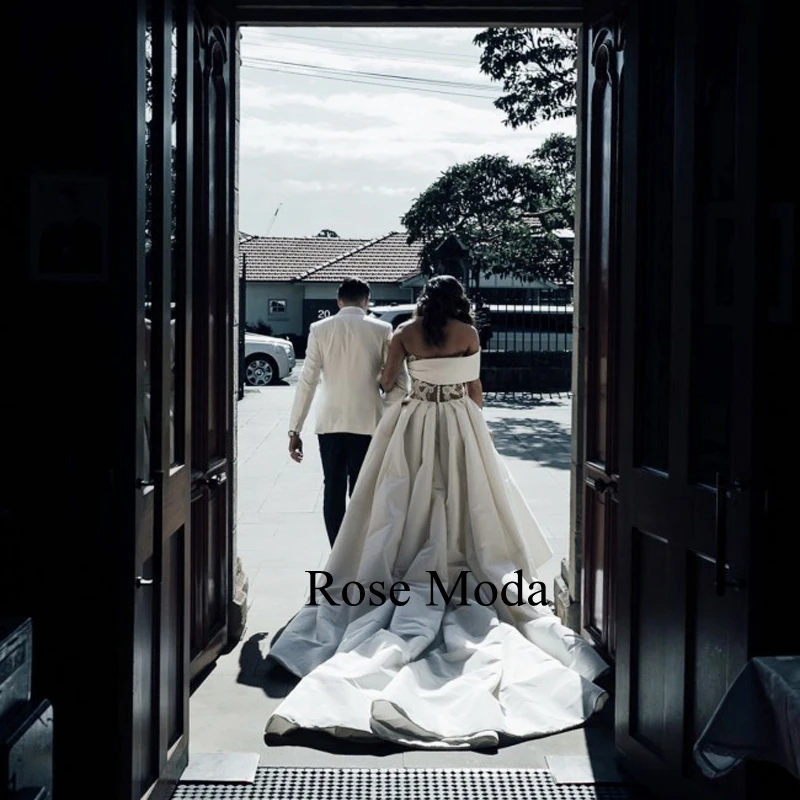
[[395, 314], [267, 359]]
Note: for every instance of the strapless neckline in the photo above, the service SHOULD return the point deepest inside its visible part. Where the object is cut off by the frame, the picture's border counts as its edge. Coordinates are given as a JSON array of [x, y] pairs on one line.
[[412, 357]]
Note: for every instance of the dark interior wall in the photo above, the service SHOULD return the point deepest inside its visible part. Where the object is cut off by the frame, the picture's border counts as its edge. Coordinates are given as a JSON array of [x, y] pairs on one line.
[[68, 351], [777, 289]]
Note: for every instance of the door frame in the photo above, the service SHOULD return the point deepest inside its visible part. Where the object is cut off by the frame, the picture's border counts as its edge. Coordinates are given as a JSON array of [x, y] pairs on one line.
[[441, 13], [359, 14]]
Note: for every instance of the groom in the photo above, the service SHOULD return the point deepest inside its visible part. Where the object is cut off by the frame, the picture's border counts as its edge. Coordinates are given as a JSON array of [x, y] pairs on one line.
[[348, 350]]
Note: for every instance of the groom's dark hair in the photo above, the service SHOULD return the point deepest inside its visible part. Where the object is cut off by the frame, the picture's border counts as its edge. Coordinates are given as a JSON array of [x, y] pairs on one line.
[[353, 290]]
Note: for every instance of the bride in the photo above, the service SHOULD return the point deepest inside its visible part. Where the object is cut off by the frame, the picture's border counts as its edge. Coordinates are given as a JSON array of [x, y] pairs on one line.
[[427, 626]]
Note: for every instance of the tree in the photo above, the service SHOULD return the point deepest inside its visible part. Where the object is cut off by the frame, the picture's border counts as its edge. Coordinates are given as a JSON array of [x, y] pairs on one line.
[[555, 160], [327, 233], [492, 205], [537, 68]]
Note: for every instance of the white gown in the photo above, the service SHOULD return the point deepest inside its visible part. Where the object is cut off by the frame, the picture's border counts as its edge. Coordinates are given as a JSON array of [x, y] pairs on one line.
[[434, 496]]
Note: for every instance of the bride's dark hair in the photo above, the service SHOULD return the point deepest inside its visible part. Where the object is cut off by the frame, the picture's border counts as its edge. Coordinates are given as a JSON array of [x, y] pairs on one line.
[[442, 298]]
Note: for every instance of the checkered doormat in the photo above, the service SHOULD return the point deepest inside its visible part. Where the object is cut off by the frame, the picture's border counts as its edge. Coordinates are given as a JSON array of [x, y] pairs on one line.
[[404, 783]]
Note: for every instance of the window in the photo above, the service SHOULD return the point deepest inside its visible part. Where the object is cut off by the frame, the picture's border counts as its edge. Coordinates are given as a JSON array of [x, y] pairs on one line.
[[277, 307]]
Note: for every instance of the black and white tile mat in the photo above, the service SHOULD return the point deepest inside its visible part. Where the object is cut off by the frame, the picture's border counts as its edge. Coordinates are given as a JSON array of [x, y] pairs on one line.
[[404, 783]]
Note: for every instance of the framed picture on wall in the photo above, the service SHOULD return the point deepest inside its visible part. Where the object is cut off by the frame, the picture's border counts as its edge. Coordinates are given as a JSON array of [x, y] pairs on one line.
[[69, 227]]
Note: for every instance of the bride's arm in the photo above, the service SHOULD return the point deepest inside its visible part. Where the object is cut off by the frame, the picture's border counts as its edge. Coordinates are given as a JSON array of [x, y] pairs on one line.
[[475, 388], [475, 391], [394, 361]]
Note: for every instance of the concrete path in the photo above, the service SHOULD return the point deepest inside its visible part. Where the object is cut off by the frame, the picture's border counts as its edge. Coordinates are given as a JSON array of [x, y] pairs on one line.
[[281, 534]]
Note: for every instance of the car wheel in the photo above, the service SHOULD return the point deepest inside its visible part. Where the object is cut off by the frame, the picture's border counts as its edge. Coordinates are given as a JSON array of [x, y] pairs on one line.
[[260, 370]]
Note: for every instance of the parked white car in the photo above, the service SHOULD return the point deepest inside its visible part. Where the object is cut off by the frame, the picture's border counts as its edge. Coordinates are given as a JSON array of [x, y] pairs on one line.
[[267, 359], [395, 314]]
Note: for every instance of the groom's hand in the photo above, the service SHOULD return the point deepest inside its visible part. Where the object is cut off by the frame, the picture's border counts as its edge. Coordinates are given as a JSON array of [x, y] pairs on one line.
[[296, 448]]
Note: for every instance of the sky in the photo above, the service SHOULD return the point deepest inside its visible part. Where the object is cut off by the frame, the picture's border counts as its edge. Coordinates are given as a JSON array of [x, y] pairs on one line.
[[327, 140]]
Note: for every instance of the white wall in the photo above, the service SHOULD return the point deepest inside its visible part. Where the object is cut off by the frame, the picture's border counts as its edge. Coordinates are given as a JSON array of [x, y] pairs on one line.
[[380, 291], [259, 293]]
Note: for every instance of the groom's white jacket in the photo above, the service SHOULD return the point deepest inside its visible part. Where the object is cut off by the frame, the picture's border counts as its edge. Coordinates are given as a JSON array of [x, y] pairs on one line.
[[347, 352]]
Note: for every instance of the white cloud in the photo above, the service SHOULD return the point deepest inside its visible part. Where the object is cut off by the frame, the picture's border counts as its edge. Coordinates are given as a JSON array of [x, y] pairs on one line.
[[388, 191], [298, 55], [410, 109], [399, 130], [440, 41], [418, 38], [351, 156], [315, 186]]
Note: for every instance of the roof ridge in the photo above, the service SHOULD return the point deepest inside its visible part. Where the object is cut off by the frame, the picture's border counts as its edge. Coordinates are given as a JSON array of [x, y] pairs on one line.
[[342, 256], [252, 236]]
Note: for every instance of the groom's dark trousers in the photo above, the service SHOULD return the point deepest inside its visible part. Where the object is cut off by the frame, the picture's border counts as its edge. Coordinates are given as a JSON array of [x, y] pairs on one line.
[[342, 455]]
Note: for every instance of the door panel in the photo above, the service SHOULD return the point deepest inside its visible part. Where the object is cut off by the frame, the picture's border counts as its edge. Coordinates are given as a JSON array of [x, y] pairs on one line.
[[161, 656], [145, 751], [604, 65], [212, 435], [680, 376]]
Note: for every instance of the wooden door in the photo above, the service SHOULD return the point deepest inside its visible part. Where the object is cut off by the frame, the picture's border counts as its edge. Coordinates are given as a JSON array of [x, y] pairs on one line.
[[676, 494], [161, 653], [603, 63], [212, 374]]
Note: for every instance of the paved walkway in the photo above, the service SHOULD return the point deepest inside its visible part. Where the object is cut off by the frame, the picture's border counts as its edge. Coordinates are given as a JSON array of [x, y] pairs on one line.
[[281, 534]]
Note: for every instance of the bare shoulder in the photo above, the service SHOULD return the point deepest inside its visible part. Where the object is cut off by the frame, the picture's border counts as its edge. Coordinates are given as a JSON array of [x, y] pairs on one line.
[[465, 331], [408, 331]]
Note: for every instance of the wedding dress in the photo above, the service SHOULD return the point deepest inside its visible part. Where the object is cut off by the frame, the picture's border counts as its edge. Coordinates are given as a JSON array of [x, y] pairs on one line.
[[431, 671]]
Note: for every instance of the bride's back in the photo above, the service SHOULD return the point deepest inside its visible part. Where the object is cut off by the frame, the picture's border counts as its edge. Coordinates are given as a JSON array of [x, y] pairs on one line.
[[459, 339]]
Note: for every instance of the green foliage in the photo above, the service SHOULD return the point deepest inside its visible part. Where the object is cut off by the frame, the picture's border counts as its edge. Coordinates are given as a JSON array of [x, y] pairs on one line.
[[259, 327], [555, 160], [500, 211], [537, 70]]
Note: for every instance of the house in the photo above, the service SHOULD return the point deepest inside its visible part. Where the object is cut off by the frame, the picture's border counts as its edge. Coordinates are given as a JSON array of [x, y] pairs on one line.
[[291, 282]]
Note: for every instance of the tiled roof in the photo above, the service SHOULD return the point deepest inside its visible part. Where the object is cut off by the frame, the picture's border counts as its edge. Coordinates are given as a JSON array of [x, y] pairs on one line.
[[283, 258], [386, 259]]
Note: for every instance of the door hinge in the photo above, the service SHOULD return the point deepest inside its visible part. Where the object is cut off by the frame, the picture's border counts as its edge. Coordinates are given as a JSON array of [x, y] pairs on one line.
[[725, 492]]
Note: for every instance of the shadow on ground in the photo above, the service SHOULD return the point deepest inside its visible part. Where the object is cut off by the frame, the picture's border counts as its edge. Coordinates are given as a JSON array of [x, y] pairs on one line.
[[542, 440], [259, 670], [512, 400], [598, 731], [331, 744]]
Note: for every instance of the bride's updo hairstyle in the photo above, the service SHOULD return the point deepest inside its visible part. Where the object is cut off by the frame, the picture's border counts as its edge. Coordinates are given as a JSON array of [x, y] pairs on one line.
[[442, 298]]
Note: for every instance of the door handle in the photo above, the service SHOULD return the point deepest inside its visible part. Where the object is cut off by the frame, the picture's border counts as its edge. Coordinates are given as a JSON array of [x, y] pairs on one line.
[[216, 480], [140, 581], [724, 493], [604, 485]]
